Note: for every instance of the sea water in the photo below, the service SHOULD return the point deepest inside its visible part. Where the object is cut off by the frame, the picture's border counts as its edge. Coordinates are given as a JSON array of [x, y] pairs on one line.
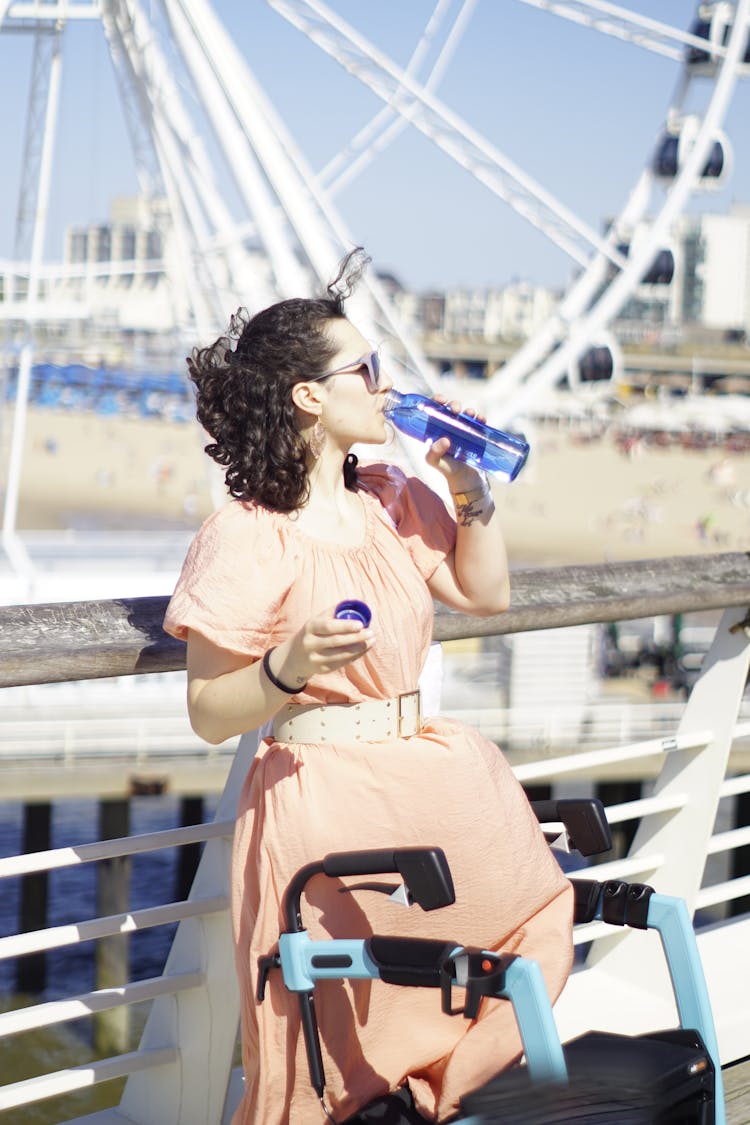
[[71, 970]]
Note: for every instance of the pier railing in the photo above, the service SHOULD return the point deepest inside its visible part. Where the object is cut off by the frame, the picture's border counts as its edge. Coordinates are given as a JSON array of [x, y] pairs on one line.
[[183, 1071], [87, 640]]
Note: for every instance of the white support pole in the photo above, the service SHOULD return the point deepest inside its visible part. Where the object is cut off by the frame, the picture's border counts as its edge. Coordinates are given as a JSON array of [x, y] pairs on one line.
[[271, 143], [11, 541], [12, 544], [146, 76]]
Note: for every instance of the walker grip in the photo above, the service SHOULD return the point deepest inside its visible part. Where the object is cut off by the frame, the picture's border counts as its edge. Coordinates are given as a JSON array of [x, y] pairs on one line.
[[585, 821], [425, 871], [410, 961]]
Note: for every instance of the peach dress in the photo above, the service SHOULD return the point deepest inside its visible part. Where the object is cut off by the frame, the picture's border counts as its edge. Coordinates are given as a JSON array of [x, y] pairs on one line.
[[251, 579]]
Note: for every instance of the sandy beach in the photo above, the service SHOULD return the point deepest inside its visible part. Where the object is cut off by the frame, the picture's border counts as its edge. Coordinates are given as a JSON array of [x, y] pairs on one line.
[[574, 502], [595, 503]]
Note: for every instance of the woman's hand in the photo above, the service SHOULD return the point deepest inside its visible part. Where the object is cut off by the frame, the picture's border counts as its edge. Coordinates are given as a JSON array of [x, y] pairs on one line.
[[323, 644], [228, 693], [474, 576], [460, 476]]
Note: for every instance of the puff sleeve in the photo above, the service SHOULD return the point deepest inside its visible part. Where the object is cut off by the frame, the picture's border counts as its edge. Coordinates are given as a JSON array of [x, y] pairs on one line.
[[234, 579], [420, 517]]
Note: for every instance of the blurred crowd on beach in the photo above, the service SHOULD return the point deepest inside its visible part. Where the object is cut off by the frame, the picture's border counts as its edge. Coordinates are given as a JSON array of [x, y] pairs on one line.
[[108, 392]]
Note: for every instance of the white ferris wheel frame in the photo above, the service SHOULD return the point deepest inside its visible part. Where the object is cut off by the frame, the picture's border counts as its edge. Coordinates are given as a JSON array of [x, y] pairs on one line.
[[290, 211], [282, 195], [582, 316]]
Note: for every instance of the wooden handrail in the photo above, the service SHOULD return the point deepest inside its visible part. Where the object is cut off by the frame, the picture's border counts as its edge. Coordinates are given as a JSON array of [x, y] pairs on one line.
[[123, 637]]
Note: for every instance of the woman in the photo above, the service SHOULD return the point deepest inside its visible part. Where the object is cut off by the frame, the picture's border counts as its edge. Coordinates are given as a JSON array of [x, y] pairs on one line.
[[284, 397]]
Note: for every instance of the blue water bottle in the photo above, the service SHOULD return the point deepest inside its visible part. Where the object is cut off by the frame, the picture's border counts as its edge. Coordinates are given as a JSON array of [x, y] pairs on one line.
[[472, 441]]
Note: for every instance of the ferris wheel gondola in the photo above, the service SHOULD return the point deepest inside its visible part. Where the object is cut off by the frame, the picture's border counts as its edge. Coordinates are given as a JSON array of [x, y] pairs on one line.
[[713, 23], [673, 150]]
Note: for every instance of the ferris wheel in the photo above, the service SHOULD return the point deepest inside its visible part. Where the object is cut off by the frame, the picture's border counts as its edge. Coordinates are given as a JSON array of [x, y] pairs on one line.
[[251, 220], [690, 154]]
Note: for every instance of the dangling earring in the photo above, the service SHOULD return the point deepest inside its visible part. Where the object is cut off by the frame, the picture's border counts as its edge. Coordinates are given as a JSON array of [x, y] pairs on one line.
[[317, 439]]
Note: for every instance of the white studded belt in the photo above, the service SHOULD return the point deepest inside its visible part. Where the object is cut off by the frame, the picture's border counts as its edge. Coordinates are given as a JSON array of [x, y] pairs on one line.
[[374, 720]]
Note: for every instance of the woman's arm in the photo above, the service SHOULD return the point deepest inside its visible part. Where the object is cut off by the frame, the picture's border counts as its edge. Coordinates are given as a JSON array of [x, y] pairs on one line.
[[228, 693], [474, 577]]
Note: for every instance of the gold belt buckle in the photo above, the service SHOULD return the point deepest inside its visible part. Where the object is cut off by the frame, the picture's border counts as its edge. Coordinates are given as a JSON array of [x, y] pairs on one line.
[[406, 714]]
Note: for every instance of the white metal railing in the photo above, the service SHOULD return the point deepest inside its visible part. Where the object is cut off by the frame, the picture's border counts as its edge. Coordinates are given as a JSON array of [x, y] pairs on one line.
[[99, 1000], [170, 984], [109, 849], [132, 737], [180, 1073], [64, 737]]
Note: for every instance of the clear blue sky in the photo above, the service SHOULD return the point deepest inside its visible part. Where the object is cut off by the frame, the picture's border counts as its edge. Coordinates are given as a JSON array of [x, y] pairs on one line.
[[577, 110]]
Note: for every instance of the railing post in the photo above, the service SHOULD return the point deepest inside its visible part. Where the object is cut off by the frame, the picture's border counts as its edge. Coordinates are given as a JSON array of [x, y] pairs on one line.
[[203, 1023], [682, 836]]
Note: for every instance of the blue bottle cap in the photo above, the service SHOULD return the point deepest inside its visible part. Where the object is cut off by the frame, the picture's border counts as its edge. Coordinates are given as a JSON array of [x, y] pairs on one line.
[[353, 611]]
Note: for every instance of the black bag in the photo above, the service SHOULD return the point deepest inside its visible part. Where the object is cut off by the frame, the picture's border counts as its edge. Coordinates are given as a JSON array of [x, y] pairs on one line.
[[665, 1078], [392, 1109]]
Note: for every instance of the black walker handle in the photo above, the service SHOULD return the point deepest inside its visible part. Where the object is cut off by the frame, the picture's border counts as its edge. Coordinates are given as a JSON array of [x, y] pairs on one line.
[[585, 821]]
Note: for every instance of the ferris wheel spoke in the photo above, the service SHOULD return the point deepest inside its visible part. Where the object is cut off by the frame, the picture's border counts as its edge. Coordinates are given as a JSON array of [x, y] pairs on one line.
[[268, 226], [4, 5], [30, 14], [566, 348], [622, 23], [146, 162], [447, 130], [194, 202], [227, 84], [386, 125]]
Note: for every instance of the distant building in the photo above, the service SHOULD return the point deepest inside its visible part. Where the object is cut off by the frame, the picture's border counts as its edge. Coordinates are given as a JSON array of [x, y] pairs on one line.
[[710, 289], [465, 313], [712, 278], [114, 272], [518, 310], [512, 313], [120, 265]]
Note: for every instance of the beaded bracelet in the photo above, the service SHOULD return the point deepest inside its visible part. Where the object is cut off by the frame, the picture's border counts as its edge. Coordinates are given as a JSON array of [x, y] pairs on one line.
[[274, 679]]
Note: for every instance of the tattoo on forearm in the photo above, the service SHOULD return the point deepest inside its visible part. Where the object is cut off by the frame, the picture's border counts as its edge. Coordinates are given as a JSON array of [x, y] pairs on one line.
[[471, 510]]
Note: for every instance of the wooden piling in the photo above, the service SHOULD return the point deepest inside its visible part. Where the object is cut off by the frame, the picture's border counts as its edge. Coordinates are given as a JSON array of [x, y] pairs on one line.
[[740, 866], [191, 812], [112, 1028], [619, 793], [31, 970]]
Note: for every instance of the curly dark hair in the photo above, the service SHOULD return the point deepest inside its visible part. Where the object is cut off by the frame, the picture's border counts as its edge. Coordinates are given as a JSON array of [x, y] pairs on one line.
[[243, 383]]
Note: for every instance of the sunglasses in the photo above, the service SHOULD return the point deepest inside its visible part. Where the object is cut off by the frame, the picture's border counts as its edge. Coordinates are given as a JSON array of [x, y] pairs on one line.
[[367, 365]]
